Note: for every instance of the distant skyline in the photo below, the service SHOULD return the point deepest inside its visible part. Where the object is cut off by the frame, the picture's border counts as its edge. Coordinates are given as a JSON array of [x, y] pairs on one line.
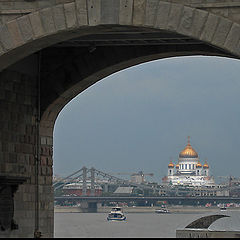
[[139, 119]]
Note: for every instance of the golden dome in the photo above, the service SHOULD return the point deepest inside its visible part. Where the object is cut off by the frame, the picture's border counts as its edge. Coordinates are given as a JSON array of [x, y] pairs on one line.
[[177, 165], [188, 151], [171, 165], [205, 165], [199, 165]]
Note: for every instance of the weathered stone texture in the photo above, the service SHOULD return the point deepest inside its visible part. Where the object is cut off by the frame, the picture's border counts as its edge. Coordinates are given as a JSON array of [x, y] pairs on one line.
[[221, 32], [60, 21], [186, 22], [82, 15], [151, 9], [199, 20], [10, 10], [175, 14], [17, 147], [125, 12], [209, 28], [110, 12], [233, 38], [26, 28], [139, 12], [48, 20], [5, 38], [162, 15], [36, 24], [70, 14], [94, 12], [17, 150]]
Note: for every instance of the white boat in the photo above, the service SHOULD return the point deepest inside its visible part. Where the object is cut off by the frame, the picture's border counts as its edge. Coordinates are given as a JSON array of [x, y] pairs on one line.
[[116, 214], [223, 208], [162, 210]]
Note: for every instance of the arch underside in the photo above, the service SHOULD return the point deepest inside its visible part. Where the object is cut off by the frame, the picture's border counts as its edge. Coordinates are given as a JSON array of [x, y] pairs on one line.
[[69, 67], [81, 42]]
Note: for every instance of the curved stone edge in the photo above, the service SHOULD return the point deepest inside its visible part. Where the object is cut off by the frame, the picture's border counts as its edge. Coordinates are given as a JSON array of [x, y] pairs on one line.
[[195, 23], [199, 24], [42, 23], [205, 222]]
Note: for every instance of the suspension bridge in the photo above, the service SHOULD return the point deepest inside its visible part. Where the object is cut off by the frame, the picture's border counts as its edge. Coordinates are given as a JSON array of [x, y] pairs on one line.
[[84, 174]]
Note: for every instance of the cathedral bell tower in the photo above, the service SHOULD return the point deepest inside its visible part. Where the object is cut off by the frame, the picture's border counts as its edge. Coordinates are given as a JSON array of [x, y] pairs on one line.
[[170, 169], [206, 169]]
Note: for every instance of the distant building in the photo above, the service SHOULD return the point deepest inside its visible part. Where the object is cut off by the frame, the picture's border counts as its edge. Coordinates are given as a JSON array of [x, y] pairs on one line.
[[77, 189], [124, 190], [137, 178], [188, 170], [234, 185]]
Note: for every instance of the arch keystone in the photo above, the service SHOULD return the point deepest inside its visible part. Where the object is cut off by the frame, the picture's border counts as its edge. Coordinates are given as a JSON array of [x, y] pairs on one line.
[[209, 28], [200, 17], [151, 10], [221, 32], [36, 24], [70, 14], [125, 12], [81, 11], [186, 21], [26, 28], [233, 38], [110, 12], [6, 39], [59, 19], [174, 17], [162, 15], [15, 32], [94, 12], [47, 20], [139, 8]]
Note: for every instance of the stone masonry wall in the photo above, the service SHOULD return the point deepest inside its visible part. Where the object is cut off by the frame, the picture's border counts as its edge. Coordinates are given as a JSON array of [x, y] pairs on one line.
[[18, 98], [11, 9]]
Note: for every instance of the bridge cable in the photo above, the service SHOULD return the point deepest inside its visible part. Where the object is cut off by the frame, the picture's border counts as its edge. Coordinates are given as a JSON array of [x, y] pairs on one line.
[[67, 177]]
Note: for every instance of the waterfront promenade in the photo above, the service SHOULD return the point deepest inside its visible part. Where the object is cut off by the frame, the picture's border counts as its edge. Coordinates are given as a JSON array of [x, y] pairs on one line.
[[173, 209]]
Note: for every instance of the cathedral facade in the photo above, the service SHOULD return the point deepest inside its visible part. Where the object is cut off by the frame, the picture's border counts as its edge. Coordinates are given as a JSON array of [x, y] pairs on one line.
[[188, 170]]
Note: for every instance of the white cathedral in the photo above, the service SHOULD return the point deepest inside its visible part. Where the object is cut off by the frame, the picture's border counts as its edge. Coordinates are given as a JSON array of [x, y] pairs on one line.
[[188, 170]]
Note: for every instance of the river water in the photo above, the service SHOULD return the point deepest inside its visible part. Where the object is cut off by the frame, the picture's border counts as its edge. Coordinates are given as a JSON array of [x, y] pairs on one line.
[[137, 225]]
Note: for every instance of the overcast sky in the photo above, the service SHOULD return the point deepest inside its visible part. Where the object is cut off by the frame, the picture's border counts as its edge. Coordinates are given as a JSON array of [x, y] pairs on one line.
[[139, 118]]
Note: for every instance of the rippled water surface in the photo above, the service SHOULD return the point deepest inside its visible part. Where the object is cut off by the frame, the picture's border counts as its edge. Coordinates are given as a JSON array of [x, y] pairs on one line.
[[138, 225]]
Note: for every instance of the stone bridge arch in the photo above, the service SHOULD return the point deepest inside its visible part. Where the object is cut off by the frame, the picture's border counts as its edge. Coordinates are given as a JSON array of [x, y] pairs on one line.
[[51, 55], [78, 19]]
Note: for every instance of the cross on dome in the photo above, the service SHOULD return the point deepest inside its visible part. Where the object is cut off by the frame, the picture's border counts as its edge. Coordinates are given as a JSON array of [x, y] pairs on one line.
[[188, 151]]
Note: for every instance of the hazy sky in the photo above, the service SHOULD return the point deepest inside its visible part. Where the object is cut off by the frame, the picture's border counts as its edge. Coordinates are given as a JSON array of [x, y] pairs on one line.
[[139, 118]]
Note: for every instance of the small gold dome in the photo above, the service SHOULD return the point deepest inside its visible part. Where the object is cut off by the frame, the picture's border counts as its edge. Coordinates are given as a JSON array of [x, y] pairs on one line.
[[188, 151], [177, 165], [199, 165], [205, 165], [171, 165]]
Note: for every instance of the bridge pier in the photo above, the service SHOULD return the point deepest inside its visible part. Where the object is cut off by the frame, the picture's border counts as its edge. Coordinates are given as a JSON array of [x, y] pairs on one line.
[[89, 207], [25, 164]]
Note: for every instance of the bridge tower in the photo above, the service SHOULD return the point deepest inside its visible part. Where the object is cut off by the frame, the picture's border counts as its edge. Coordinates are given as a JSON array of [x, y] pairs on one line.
[[92, 170], [84, 189]]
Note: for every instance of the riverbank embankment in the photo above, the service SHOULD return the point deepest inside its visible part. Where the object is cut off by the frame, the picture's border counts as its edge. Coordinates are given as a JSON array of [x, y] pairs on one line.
[[172, 209]]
